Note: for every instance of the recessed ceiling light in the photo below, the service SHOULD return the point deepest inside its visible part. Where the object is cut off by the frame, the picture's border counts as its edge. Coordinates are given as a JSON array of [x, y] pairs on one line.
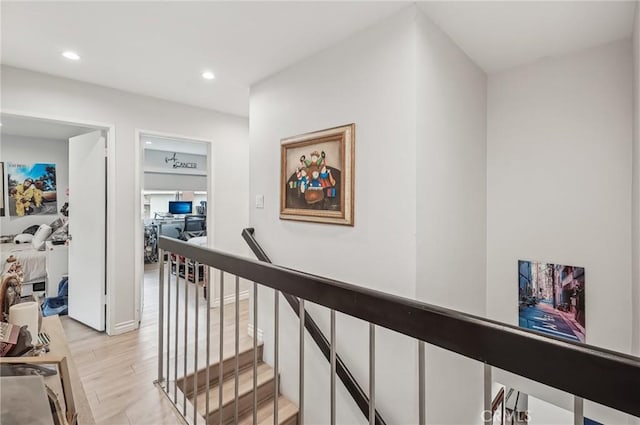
[[208, 75], [148, 143], [71, 55]]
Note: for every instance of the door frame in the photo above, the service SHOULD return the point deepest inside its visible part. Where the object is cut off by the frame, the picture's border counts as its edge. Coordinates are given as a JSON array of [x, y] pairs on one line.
[[139, 179], [110, 265]]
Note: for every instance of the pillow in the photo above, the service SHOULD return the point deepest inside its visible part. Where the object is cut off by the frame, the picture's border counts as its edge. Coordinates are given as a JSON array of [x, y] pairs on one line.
[[23, 238], [41, 236]]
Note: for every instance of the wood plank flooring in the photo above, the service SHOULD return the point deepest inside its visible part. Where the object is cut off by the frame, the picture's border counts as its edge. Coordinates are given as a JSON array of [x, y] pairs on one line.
[[118, 372]]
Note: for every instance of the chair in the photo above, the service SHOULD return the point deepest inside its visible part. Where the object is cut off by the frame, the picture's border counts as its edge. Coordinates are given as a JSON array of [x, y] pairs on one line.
[[194, 226]]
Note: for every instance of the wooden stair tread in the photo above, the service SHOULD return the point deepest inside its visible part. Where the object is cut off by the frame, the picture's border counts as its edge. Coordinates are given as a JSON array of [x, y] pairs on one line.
[[287, 413], [245, 386], [245, 360]]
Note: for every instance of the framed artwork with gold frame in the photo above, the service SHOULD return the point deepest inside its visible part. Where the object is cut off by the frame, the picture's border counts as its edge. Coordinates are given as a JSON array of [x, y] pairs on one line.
[[316, 178]]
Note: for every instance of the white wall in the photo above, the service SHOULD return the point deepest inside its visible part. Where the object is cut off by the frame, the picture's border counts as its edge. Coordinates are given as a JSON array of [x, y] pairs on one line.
[[559, 183], [29, 150], [451, 211], [160, 203], [543, 413], [165, 181], [36, 93], [636, 183], [367, 80], [419, 105]]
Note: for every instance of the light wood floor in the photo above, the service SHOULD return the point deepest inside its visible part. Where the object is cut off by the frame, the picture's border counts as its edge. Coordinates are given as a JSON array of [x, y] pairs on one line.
[[118, 372]]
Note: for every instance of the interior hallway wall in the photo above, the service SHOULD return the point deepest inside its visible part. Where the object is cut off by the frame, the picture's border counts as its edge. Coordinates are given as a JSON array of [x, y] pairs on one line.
[[558, 187], [451, 210], [419, 204], [369, 80], [36, 93], [30, 150]]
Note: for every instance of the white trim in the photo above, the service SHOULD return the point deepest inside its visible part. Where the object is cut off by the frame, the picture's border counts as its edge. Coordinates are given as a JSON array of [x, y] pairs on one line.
[[110, 266], [138, 210], [123, 327], [230, 299], [250, 332]]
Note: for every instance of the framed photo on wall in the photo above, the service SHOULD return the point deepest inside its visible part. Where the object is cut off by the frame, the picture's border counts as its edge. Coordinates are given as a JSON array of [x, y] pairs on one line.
[[32, 188], [316, 182], [551, 299]]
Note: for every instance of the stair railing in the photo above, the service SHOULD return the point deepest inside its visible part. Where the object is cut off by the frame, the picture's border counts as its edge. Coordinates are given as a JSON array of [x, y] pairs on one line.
[[602, 376], [345, 375]]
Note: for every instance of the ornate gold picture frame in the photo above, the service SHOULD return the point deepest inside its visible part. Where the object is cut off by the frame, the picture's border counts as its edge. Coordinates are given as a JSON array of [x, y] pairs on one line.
[[316, 182]]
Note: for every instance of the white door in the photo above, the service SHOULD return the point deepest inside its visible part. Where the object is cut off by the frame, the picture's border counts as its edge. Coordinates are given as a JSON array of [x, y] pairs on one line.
[[87, 227]]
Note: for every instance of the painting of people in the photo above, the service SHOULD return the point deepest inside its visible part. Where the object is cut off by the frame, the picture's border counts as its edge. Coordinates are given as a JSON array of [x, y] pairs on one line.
[[317, 176], [31, 189]]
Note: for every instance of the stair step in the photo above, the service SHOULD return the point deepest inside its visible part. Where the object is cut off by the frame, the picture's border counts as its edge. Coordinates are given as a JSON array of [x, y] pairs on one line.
[[265, 389], [245, 359], [287, 413]]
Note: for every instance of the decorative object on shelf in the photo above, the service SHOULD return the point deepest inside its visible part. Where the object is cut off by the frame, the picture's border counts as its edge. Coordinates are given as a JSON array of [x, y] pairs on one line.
[[32, 189], [26, 313], [9, 335], [10, 288], [551, 299], [317, 181]]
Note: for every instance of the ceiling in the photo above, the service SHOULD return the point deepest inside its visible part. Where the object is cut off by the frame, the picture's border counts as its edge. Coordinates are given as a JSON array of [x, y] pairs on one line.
[[30, 127], [174, 145], [160, 48], [498, 35]]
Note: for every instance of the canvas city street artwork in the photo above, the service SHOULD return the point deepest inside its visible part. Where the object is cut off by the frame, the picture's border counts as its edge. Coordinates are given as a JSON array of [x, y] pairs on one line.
[[32, 189], [551, 299], [317, 176]]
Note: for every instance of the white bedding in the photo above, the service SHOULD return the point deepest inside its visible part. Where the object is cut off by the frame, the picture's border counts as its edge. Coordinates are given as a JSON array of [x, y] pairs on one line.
[[33, 262]]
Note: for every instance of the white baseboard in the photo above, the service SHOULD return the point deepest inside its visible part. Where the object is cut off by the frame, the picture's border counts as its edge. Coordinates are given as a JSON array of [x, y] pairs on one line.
[[229, 299], [123, 327], [250, 332]]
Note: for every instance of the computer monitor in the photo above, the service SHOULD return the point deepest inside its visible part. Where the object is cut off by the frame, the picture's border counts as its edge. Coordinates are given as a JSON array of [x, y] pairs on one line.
[[180, 207]]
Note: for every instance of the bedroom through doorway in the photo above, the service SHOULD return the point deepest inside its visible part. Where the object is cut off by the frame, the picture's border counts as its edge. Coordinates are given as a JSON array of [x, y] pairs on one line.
[[54, 216]]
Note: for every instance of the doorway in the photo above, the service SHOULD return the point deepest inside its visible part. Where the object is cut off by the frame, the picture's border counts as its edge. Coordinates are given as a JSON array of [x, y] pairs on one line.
[[55, 175], [175, 200]]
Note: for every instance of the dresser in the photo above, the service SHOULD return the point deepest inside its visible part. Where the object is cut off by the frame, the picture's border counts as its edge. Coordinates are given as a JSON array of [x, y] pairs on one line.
[[57, 264]]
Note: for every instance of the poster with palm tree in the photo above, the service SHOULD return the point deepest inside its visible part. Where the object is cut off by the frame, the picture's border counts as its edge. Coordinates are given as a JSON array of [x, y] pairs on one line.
[[32, 189]]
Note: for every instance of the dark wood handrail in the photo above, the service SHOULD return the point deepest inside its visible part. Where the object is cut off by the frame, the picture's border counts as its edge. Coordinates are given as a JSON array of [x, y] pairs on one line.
[[345, 375], [603, 376]]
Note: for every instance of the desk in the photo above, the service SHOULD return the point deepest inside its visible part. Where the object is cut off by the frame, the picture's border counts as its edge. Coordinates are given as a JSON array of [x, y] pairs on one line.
[[59, 348]]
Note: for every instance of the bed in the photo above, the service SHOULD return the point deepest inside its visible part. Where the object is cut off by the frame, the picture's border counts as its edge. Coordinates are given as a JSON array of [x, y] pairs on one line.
[[33, 265]]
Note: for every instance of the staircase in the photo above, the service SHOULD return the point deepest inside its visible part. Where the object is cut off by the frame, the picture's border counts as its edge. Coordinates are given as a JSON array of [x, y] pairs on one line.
[[287, 411]]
